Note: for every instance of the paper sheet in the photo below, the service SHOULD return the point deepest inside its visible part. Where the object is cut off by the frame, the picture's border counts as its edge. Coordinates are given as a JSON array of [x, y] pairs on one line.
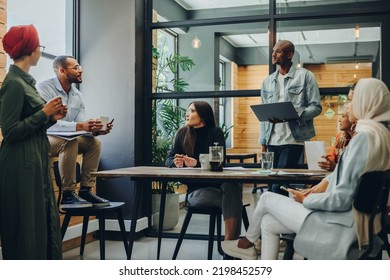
[[69, 135], [313, 151]]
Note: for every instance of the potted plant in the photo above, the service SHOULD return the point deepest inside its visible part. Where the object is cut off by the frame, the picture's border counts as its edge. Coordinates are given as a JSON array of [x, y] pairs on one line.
[[167, 116], [171, 217]]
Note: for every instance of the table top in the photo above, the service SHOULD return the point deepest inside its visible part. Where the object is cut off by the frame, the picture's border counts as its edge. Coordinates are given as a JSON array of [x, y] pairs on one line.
[[229, 174], [241, 154]]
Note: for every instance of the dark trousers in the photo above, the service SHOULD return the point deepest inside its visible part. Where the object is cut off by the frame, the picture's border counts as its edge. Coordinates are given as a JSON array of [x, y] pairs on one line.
[[285, 156]]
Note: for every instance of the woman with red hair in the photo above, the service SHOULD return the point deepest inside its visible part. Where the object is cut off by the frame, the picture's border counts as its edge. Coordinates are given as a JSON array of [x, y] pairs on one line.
[[29, 220]]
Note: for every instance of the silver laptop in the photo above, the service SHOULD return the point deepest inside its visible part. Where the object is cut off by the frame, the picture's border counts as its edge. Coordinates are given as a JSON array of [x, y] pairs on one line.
[[280, 110]]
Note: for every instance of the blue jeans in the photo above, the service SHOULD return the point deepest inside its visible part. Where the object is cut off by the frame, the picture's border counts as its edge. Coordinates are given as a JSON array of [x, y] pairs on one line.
[[285, 156]]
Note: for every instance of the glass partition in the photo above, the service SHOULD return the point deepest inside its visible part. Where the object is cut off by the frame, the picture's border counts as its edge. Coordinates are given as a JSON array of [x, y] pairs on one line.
[[225, 56], [296, 6], [181, 10], [191, 61], [337, 53]]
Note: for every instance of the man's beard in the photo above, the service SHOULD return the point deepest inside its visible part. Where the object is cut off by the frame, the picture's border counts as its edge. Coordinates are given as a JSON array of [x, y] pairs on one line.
[[73, 80]]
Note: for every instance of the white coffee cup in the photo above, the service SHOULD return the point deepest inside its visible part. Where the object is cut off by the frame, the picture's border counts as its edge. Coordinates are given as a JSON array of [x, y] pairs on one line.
[[104, 121], [204, 161]]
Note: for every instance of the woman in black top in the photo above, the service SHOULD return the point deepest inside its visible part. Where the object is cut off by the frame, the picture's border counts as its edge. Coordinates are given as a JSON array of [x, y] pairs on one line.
[[193, 139]]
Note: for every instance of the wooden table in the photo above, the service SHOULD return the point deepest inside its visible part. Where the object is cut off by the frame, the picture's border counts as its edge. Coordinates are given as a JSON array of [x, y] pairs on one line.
[[196, 175]]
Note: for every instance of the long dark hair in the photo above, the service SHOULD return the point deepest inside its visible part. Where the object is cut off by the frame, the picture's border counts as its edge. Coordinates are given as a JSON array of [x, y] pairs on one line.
[[187, 133]]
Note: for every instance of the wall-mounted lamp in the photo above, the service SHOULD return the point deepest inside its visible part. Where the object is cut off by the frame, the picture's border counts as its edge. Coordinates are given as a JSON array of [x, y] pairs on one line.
[[357, 31], [196, 43], [356, 65]]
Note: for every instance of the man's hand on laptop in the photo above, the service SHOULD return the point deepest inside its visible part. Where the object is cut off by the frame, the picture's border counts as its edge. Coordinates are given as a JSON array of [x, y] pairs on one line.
[[275, 120]]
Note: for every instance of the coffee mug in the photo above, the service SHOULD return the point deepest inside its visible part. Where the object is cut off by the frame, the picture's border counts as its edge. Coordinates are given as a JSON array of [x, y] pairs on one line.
[[204, 160], [104, 121]]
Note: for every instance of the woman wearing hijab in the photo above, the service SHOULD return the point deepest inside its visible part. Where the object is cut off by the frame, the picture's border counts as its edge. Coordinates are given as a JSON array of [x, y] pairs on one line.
[[193, 139], [368, 151], [29, 220]]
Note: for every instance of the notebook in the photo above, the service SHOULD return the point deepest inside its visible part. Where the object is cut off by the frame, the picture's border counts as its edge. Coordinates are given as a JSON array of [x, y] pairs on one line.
[[280, 110]]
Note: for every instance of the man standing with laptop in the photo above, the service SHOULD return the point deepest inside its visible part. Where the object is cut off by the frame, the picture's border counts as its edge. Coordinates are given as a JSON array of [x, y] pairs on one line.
[[298, 85]]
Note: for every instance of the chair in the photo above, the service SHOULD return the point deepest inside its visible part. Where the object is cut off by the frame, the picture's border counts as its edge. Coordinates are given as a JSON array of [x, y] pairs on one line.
[[215, 214], [289, 239], [99, 212], [370, 198]]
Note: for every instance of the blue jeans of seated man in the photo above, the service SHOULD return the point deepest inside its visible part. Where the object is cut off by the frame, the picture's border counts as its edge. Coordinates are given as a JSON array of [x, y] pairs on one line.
[[285, 156]]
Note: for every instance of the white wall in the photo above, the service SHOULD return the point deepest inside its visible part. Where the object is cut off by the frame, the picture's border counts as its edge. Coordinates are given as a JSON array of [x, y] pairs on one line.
[[107, 55]]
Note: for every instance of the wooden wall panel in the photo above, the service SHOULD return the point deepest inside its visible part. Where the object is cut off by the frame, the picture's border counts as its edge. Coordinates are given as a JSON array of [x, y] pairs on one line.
[[339, 75], [3, 5], [246, 129]]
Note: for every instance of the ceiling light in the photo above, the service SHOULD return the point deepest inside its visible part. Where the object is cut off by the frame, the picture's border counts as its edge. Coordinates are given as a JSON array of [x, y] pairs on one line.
[[196, 43], [357, 31]]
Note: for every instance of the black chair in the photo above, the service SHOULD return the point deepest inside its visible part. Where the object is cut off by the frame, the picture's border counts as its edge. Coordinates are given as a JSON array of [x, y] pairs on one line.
[[99, 212], [289, 239], [370, 198], [215, 214]]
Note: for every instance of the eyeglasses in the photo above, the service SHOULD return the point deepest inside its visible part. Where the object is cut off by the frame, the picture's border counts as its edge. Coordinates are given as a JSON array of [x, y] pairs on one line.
[[41, 48], [76, 68]]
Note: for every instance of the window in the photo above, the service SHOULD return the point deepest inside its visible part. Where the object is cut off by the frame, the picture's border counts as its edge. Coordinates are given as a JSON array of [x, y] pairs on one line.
[[54, 22], [167, 117], [243, 34]]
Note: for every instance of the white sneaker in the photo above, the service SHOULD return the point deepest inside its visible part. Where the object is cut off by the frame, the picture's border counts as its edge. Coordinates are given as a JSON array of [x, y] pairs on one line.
[[230, 248]]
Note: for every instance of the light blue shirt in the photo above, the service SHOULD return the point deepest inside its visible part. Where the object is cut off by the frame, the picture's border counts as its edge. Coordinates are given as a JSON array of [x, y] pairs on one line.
[[300, 87], [76, 109]]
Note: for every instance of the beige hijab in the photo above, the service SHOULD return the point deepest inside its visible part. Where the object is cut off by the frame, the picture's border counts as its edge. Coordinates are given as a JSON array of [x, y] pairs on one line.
[[371, 106]]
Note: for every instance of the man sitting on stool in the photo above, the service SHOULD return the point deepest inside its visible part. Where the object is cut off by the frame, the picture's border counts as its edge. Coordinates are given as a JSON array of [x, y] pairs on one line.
[[68, 71]]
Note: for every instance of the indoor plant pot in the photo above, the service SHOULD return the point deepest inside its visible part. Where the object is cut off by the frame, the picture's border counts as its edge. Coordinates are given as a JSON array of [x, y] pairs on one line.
[[171, 215]]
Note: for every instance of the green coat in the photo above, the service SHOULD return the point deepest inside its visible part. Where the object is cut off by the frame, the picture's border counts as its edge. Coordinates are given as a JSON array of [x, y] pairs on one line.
[[29, 219]]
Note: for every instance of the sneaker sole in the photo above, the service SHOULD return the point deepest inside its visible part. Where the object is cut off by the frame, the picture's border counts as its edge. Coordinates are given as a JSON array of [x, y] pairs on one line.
[[103, 204], [85, 205]]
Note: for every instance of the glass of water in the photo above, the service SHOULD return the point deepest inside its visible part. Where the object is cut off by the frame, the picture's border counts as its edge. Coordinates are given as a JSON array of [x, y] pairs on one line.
[[267, 161]]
